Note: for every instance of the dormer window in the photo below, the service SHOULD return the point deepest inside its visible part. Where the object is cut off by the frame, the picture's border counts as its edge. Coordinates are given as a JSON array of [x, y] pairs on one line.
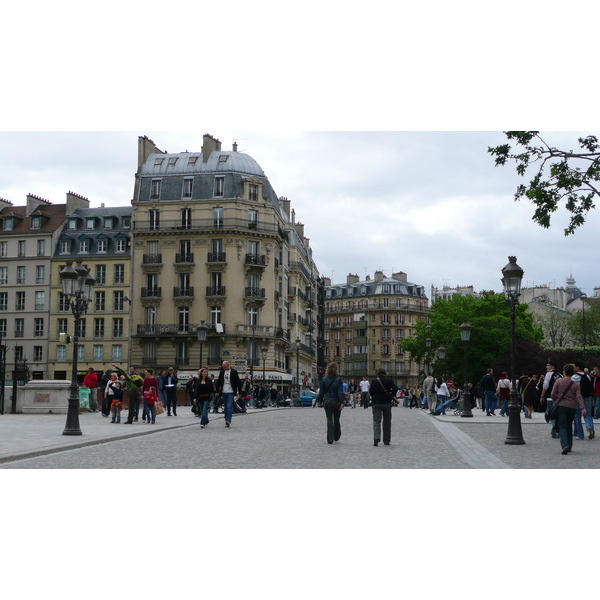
[[35, 221], [108, 222], [72, 224], [89, 223], [173, 161], [219, 186], [155, 191], [158, 161], [253, 192], [223, 158], [8, 224], [126, 222], [192, 160]]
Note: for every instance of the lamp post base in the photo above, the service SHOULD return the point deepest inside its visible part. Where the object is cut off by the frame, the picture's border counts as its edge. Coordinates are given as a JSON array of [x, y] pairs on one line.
[[72, 424], [515, 433], [466, 411]]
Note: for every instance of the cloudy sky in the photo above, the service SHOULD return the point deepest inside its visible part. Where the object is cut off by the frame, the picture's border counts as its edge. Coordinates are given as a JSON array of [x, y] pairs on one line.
[[431, 204]]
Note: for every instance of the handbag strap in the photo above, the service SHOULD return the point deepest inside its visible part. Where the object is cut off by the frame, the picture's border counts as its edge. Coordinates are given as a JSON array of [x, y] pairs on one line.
[[564, 393]]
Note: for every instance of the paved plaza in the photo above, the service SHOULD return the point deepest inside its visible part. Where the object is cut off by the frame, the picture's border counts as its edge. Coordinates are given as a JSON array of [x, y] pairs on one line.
[[285, 438]]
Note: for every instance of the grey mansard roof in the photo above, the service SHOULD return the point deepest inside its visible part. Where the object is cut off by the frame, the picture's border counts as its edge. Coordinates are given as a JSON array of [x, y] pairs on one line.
[[388, 285], [218, 162]]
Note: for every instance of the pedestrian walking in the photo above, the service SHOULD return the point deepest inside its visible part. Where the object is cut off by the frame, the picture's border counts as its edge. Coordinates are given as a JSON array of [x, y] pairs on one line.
[[566, 393], [488, 389], [587, 392], [503, 392], [383, 390], [529, 393], [331, 394], [170, 385], [430, 392], [204, 392], [228, 386], [364, 392]]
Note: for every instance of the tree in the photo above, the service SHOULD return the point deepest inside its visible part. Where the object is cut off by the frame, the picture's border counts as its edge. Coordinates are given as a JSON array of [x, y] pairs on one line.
[[557, 326], [561, 175], [489, 318]]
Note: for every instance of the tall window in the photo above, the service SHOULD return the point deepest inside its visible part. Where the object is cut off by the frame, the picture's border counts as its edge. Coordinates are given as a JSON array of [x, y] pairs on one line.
[[3, 275], [63, 303], [154, 216], [35, 221], [117, 353], [219, 186], [20, 275], [41, 247], [215, 315], [252, 315], [183, 318], [84, 246], [62, 325], [253, 217], [121, 246], [90, 223], [98, 328], [102, 246], [118, 327], [40, 300], [19, 353], [3, 249], [100, 274], [20, 301], [61, 352], [40, 274], [38, 327], [253, 192], [19, 327], [150, 316], [81, 352], [99, 301], [38, 354], [2, 327], [218, 216], [188, 186], [186, 218], [183, 355], [65, 246], [185, 250], [98, 352], [82, 327], [119, 274], [155, 190], [21, 248], [118, 299]]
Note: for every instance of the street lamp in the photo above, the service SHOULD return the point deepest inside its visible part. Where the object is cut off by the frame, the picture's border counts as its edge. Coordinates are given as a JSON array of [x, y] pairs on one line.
[[428, 347], [201, 331], [583, 299], [264, 350], [298, 362], [252, 313], [465, 336], [512, 274], [77, 284]]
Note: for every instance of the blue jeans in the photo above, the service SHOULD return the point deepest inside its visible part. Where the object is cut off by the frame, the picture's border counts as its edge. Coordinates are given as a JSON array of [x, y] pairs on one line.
[[589, 419], [228, 404], [504, 407], [441, 408], [150, 412], [204, 417], [597, 407], [577, 425], [490, 401]]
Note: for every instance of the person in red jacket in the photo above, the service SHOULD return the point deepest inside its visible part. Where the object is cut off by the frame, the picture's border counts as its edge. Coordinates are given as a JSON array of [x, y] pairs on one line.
[[150, 399], [149, 382], [91, 381]]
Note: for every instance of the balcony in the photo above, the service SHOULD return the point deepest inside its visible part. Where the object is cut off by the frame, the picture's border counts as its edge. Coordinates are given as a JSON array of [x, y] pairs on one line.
[[184, 258], [151, 259], [254, 292], [187, 292], [209, 225], [256, 260], [215, 291], [291, 291], [173, 329], [154, 292], [216, 257]]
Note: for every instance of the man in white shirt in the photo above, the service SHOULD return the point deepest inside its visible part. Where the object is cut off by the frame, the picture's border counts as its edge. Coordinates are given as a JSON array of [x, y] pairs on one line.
[[228, 385], [364, 392]]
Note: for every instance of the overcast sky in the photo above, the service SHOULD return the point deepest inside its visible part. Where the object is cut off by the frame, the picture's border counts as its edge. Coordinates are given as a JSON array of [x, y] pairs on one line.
[[431, 204]]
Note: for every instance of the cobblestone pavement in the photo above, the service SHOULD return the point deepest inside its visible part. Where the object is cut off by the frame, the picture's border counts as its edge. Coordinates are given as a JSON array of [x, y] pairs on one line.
[[287, 438]]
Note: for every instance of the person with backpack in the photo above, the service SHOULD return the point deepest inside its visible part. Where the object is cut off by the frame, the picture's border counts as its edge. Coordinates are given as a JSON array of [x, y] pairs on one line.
[[331, 394], [552, 375], [587, 392], [383, 390]]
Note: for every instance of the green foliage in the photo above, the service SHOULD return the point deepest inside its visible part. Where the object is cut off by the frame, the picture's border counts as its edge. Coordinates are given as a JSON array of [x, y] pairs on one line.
[[489, 318], [560, 175]]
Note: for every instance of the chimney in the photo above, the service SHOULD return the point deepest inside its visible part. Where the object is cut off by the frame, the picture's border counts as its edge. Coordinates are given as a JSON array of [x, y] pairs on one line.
[[75, 201], [400, 276], [299, 227], [379, 275], [210, 144], [326, 281], [285, 204], [351, 279], [4, 203], [235, 146], [146, 147], [34, 202]]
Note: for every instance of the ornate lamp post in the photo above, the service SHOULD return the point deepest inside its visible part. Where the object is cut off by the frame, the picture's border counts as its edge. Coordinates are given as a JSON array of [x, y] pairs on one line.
[[201, 331], [77, 284], [512, 274], [428, 347], [298, 363], [264, 350], [441, 354], [465, 336], [253, 315]]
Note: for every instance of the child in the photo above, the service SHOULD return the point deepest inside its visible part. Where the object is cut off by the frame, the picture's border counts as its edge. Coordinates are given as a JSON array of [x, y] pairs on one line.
[[116, 404], [150, 397]]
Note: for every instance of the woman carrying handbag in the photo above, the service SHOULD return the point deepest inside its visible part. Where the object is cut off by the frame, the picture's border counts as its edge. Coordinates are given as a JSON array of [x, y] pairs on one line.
[[566, 398]]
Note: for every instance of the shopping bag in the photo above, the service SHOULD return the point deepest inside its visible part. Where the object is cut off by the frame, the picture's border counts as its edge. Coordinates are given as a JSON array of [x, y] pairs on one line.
[[158, 407]]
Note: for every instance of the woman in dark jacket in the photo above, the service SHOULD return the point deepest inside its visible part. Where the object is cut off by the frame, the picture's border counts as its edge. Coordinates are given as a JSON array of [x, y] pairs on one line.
[[202, 398], [382, 391], [331, 394]]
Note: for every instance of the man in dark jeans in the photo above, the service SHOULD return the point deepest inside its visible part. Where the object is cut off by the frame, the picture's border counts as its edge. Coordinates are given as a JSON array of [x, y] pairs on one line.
[[170, 383]]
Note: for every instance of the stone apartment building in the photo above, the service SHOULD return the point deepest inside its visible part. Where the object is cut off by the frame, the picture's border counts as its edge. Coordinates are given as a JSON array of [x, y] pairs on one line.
[[28, 239], [213, 244], [364, 321], [100, 237]]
